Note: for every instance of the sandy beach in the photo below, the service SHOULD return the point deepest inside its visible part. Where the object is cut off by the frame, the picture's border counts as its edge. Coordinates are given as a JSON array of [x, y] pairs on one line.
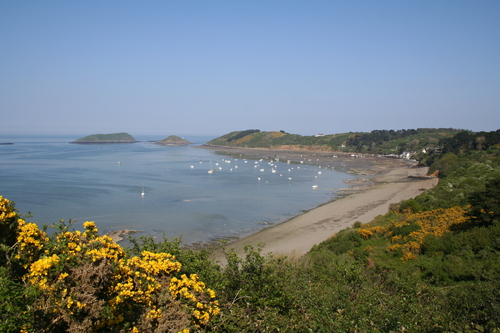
[[391, 181]]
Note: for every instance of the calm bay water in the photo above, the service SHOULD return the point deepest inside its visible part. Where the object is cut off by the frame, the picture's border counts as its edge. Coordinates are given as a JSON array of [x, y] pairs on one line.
[[56, 180]]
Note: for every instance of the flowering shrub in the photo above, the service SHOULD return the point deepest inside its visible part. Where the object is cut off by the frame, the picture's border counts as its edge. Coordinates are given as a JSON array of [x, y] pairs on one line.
[[88, 283], [435, 222], [7, 211], [8, 227], [365, 233], [407, 231], [31, 241], [191, 289]]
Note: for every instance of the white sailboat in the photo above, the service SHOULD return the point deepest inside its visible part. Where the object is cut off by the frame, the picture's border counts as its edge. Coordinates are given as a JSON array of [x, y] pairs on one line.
[[143, 193], [212, 170]]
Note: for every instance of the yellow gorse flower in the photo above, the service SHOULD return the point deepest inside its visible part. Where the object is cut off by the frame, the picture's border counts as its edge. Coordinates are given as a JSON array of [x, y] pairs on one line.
[[6, 211], [191, 289], [31, 241], [89, 225], [39, 270]]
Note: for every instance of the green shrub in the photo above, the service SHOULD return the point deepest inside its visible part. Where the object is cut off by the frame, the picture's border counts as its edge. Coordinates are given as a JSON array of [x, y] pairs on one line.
[[444, 165], [405, 230], [411, 205], [485, 205], [15, 303]]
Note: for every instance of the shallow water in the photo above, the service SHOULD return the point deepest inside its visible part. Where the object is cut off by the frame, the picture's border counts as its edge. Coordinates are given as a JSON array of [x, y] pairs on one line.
[[55, 180]]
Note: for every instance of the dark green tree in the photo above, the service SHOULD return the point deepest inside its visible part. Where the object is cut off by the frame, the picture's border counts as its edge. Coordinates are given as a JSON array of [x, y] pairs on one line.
[[485, 205]]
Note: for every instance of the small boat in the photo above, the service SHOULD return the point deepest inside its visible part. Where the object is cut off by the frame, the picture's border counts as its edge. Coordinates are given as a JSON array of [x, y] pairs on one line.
[[211, 171], [143, 193], [315, 186]]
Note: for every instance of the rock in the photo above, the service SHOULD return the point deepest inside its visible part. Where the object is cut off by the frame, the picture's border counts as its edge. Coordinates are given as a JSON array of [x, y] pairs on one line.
[[119, 235]]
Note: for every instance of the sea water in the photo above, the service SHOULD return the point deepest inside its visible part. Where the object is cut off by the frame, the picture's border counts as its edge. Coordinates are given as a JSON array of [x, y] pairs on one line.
[[54, 179]]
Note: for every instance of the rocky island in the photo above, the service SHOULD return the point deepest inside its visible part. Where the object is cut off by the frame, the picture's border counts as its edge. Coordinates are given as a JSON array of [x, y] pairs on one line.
[[106, 138], [173, 140]]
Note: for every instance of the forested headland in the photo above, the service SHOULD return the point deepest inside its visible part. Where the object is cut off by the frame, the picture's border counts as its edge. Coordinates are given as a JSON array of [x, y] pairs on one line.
[[376, 142], [431, 264]]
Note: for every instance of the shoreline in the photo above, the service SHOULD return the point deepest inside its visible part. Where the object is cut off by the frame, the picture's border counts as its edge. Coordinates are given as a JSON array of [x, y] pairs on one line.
[[392, 181]]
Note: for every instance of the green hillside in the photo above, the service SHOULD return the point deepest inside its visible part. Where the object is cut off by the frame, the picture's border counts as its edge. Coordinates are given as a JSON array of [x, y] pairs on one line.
[[375, 142], [107, 138], [174, 140], [280, 140]]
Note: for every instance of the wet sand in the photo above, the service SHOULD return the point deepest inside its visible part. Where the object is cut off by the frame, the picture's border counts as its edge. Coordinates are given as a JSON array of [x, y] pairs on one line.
[[391, 181]]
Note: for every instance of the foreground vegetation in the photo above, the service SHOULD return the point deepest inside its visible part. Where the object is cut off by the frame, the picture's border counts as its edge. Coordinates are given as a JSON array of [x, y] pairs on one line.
[[431, 264]]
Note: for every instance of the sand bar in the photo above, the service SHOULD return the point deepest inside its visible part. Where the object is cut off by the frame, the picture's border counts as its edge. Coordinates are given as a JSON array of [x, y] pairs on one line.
[[393, 182]]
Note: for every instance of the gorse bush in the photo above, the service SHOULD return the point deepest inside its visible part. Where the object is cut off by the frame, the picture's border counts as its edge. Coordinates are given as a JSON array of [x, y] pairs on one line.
[[87, 283], [408, 231]]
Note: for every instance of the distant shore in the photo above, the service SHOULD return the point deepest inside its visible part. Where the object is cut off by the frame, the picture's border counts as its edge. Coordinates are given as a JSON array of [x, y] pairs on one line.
[[390, 181]]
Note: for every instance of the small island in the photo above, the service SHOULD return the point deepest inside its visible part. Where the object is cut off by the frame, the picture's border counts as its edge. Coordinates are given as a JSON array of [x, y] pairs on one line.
[[173, 140], [106, 138]]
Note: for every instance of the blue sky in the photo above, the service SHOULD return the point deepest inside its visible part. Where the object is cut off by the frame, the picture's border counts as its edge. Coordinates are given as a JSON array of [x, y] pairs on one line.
[[212, 67]]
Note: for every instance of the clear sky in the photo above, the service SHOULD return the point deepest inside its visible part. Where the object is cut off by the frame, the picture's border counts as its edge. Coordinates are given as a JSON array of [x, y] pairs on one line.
[[212, 67]]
